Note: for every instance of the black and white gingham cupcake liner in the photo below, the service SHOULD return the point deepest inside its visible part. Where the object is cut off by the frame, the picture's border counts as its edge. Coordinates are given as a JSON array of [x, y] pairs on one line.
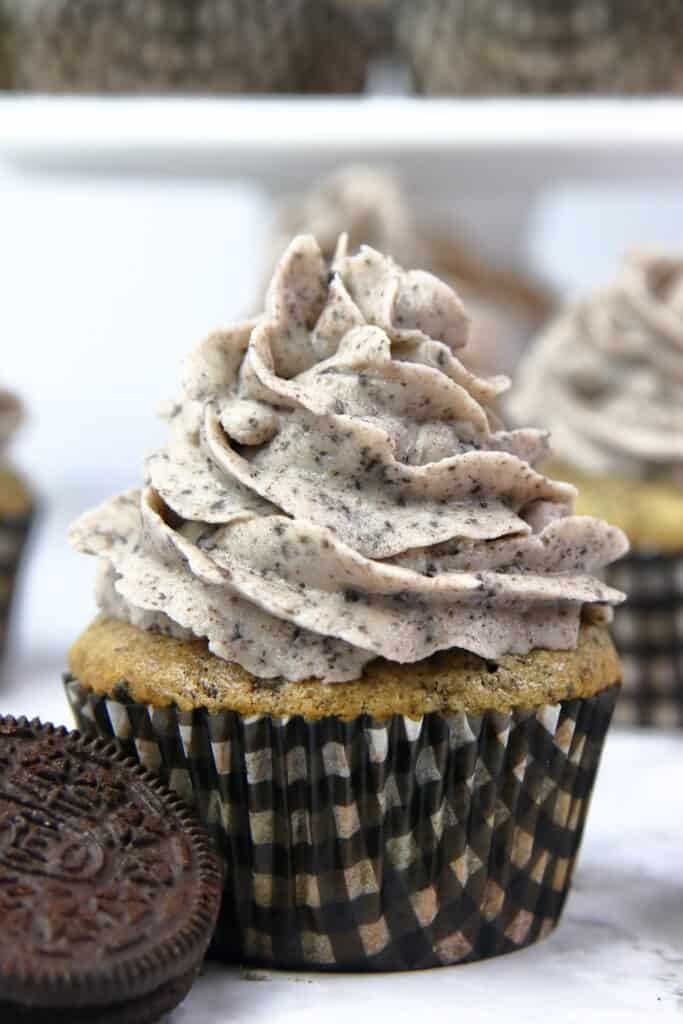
[[184, 45], [648, 633], [5, 76], [13, 535], [377, 844], [542, 46], [511, 46]]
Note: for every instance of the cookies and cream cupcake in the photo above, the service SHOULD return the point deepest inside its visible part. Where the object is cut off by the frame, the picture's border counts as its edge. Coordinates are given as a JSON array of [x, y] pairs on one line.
[[370, 206], [375, 19], [510, 46], [606, 378], [16, 510], [5, 75], [197, 46], [353, 625], [488, 47]]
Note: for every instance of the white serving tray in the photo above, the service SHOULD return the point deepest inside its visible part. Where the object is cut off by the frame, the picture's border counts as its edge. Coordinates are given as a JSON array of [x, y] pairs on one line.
[[514, 144], [490, 160]]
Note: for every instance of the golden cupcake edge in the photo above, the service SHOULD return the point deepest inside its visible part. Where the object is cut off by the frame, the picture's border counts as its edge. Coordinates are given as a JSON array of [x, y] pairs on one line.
[[111, 657]]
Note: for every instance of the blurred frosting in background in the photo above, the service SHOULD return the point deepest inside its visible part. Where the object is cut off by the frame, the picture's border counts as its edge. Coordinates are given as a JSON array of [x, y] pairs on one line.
[[540, 46], [260, 46], [606, 377], [369, 205], [11, 415]]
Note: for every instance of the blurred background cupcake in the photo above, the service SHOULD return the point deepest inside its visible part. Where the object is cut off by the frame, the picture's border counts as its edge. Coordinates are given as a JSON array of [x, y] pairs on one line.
[[375, 19], [16, 506], [606, 378], [4, 52], [541, 46], [255, 46], [369, 204]]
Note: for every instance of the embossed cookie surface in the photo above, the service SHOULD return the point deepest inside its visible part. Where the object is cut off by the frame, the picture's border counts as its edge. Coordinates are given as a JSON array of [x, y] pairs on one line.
[[108, 890]]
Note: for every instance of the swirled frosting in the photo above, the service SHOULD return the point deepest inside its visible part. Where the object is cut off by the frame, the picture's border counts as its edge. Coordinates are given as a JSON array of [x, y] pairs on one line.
[[606, 378], [372, 208], [10, 418], [336, 487]]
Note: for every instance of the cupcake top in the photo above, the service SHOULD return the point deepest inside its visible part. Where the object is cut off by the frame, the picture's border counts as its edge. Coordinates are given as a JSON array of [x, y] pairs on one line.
[[606, 377], [11, 416], [371, 207], [336, 487]]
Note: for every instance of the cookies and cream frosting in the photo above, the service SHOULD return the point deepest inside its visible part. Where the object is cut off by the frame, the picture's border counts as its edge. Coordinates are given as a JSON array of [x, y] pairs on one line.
[[10, 418], [370, 206], [336, 487], [606, 378]]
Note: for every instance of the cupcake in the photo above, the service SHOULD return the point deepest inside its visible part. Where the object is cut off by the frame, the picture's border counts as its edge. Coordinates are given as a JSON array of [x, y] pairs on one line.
[[374, 19], [541, 46], [370, 206], [185, 45], [16, 507], [4, 53], [352, 625], [606, 378]]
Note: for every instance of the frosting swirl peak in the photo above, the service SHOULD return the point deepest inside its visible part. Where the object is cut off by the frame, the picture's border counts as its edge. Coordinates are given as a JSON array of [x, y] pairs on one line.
[[606, 378], [337, 487]]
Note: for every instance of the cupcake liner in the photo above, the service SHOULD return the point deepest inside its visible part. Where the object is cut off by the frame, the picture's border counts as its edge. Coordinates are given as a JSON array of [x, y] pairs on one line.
[[374, 19], [376, 844], [5, 77], [648, 633], [13, 535], [541, 46], [185, 45]]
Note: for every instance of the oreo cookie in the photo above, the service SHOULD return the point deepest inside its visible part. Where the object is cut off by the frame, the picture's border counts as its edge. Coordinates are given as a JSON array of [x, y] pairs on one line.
[[109, 891]]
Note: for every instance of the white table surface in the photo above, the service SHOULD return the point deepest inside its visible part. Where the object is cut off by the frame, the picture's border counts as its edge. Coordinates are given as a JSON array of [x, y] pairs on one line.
[[106, 283]]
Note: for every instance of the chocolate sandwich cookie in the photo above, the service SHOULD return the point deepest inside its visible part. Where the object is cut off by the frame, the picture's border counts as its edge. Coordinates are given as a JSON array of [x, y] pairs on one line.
[[109, 891]]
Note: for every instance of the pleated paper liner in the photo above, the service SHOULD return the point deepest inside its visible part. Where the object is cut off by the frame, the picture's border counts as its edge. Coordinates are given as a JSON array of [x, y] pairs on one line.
[[377, 844], [14, 533], [648, 634], [479, 47], [219, 46]]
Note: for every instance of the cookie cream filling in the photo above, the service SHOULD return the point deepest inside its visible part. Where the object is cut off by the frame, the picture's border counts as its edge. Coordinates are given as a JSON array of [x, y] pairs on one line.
[[337, 487], [606, 378]]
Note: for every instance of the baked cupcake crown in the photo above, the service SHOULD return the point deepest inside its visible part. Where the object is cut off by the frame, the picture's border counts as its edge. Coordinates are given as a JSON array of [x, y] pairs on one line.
[[337, 487]]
